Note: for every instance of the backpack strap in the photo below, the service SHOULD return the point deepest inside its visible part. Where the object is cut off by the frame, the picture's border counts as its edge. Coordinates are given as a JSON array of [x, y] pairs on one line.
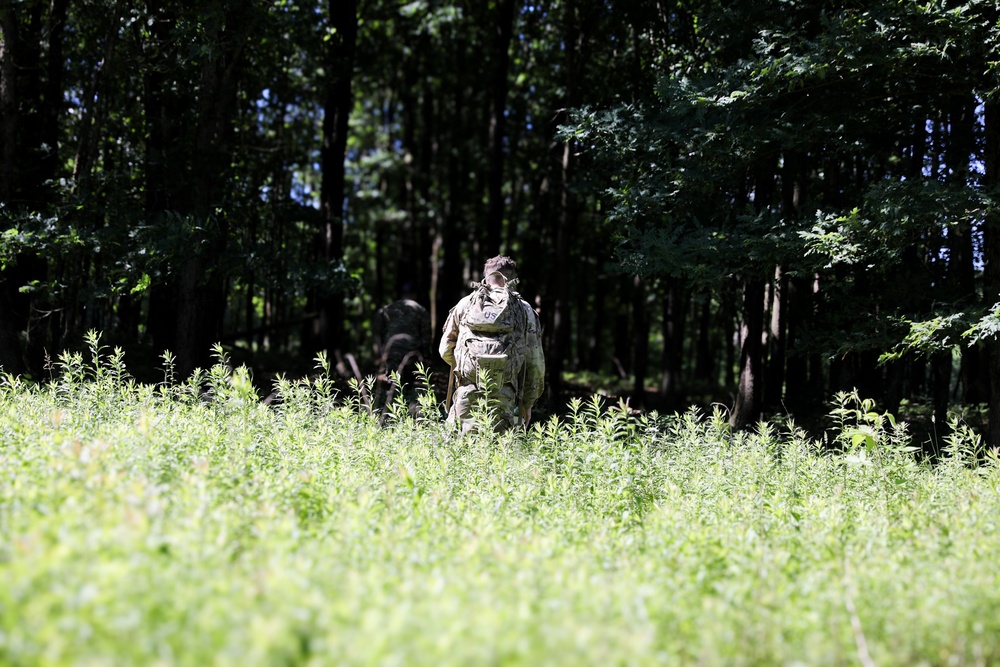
[[478, 292]]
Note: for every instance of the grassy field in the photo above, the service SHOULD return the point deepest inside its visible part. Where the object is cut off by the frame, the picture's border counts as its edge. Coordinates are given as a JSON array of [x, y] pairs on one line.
[[190, 524]]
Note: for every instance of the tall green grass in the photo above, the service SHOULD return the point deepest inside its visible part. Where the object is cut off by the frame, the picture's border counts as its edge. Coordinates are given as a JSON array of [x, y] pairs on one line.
[[188, 523]]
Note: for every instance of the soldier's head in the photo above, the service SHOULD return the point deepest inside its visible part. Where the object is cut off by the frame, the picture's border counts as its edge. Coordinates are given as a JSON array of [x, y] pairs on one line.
[[500, 270]]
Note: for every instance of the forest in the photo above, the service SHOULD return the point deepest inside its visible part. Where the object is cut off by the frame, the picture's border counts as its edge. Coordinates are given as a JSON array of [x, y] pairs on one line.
[[749, 204]]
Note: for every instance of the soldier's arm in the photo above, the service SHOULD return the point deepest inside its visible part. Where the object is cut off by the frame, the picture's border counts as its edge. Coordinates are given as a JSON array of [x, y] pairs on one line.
[[534, 371], [449, 336]]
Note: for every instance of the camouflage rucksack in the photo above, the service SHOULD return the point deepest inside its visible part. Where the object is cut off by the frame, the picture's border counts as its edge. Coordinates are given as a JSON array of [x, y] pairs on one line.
[[492, 336]]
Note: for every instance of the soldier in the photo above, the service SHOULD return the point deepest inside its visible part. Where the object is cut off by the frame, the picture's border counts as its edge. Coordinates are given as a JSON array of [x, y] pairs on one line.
[[496, 331], [402, 338]]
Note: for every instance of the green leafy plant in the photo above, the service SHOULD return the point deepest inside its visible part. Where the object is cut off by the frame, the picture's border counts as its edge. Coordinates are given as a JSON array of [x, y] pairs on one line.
[[865, 432], [284, 529]]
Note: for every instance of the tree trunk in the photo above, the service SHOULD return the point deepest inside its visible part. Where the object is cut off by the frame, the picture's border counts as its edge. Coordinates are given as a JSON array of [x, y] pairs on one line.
[[498, 133], [776, 341], [341, 54], [96, 106], [29, 140], [675, 307], [561, 283], [961, 144], [991, 257], [730, 325], [640, 344], [9, 96], [597, 350], [746, 410], [13, 314], [747, 407], [797, 359], [706, 367], [622, 345], [201, 288], [816, 364], [164, 170], [574, 39], [452, 285], [941, 394]]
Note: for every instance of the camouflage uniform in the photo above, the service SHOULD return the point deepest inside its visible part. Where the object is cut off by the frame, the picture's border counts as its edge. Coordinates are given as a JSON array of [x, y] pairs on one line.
[[402, 335], [509, 404]]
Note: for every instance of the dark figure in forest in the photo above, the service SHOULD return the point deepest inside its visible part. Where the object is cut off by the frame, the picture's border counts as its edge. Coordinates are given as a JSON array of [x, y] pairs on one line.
[[492, 341], [402, 338]]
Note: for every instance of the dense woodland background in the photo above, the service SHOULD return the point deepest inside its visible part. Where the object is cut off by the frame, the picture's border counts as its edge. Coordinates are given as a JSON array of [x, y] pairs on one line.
[[750, 203]]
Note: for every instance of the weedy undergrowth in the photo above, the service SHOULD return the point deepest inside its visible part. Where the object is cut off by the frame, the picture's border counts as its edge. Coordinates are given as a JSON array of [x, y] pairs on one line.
[[189, 522], [864, 432]]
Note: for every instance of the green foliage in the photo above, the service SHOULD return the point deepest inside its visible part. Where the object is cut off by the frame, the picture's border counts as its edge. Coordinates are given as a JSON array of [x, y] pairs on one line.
[[864, 433], [193, 524], [709, 142], [946, 331], [938, 333], [987, 326], [825, 140], [32, 232]]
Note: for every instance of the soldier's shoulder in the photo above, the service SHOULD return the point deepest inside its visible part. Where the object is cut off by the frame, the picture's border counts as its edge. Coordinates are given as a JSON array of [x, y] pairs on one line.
[[459, 308], [528, 308]]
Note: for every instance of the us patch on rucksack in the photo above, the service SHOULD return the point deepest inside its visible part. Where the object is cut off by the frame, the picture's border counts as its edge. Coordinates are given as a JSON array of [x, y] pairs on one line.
[[492, 336]]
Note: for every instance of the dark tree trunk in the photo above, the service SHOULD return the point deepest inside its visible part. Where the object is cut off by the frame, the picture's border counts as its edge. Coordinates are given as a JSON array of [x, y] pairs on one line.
[[961, 144], [916, 381], [30, 86], [203, 286], [420, 260], [96, 106], [729, 324], [706, 367], [776, 341], [746, 410], [797, 359], [190, 140], [640, 344], [452, 285], [675, 307], [597, 350], [941, 393], [164, 173], [623, 339], [991, 256], [895, 374], [575, 53], [426, 158], [13, 310], [341, 54], [583, 322], [747, 407], [561, 282], [10, 38], [793, 303], [193, 341], [498, 132]]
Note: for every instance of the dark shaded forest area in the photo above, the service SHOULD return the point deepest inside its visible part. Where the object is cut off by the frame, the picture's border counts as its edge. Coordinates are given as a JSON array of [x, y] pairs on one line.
[[752, 204]]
